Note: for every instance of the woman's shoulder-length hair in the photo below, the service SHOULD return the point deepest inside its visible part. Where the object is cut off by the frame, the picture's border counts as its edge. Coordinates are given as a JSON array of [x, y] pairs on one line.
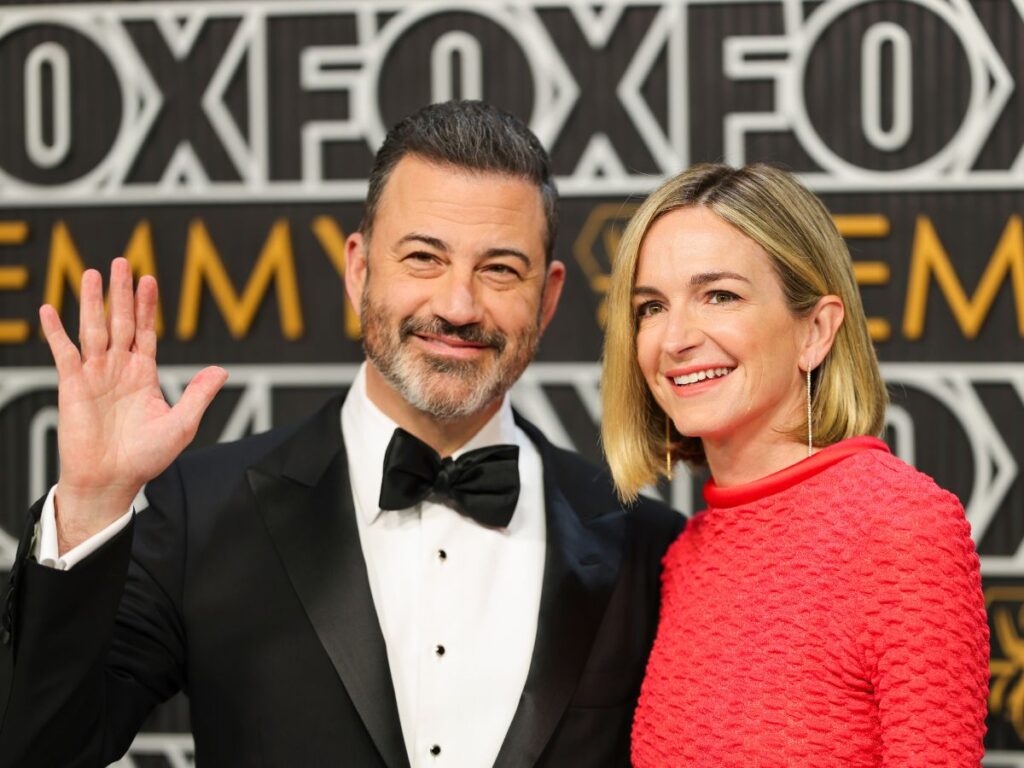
[[811, 259]]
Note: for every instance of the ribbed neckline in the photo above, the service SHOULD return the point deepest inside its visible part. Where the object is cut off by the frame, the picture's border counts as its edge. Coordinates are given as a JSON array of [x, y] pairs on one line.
[[786, 478]]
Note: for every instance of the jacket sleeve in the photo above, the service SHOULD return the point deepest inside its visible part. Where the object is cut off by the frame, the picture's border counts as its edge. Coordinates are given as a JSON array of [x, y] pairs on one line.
[[90, 651]]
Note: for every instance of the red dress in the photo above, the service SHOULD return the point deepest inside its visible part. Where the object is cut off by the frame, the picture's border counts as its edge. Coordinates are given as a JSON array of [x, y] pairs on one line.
[[828, 615]]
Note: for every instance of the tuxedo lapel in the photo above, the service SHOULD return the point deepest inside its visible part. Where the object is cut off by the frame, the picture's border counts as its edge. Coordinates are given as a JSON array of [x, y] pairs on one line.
[[584, 552], [304, 495]]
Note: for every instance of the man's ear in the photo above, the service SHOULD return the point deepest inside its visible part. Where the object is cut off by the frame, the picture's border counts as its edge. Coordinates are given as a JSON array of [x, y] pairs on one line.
[[355, 269], [554, 281], [824, 321]]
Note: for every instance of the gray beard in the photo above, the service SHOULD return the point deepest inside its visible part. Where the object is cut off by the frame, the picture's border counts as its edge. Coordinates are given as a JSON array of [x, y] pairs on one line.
[[404, 370]]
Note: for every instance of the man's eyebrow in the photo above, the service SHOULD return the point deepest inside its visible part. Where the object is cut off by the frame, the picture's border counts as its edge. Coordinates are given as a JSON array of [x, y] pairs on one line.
[[514, 252], [441, 245], [703, 278], [433, 242]]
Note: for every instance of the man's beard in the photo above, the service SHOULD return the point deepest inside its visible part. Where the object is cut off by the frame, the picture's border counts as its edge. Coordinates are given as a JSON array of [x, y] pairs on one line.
[[445, 388]]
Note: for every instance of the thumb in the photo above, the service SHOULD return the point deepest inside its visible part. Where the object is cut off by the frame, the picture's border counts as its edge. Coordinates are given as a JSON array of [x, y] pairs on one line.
[[197, 397]]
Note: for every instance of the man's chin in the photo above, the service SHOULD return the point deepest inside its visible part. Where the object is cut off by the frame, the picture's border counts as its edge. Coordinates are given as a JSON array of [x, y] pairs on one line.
[[475, 367], [453, 392], [449, 395], [444, 388]]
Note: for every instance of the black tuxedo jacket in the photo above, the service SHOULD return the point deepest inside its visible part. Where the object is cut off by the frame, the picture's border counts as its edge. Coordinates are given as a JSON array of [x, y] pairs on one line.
[[244, 585]]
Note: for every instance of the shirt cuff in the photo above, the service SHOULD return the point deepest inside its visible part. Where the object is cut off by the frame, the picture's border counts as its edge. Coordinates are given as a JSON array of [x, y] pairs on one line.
[[46, 549]]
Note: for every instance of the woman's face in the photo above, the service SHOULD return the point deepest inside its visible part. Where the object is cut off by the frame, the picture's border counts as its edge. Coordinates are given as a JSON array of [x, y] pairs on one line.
[[716, 343]]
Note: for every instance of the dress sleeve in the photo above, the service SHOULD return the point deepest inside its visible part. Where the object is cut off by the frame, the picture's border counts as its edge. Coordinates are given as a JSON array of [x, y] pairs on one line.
[[925, 634]]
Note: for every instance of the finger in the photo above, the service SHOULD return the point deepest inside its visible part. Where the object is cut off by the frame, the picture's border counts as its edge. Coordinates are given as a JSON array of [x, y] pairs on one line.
[[65, 353], [196, 399], [145, 316], [92, 327], [122, 305]]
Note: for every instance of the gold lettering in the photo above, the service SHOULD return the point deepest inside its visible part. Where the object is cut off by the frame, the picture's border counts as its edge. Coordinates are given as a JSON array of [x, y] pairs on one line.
[[868, 225], [64, 269], [862, 225], [332, 240], [596, 245], [13, 278], [929, 257], [203, 264], [874, 273], [1006, 685], [13, 232]]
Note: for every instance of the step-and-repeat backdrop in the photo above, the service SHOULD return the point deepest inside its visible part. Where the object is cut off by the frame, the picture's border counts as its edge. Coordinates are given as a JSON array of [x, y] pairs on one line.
[[224, 147]]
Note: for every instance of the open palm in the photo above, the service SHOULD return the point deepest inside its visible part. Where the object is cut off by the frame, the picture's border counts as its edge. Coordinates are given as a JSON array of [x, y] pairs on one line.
[[115, 431]]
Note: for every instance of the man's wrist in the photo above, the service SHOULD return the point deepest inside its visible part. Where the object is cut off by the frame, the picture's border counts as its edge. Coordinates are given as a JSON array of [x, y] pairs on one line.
[[45, 549], [80, 515]]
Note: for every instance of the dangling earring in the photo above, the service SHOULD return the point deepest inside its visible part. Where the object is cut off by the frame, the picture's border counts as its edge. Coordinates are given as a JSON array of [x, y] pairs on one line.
[[668, 450], [810, 434]]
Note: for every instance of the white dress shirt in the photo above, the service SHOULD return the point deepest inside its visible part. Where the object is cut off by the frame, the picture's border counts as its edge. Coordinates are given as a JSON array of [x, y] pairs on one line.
[[457, 601], [45, 548]]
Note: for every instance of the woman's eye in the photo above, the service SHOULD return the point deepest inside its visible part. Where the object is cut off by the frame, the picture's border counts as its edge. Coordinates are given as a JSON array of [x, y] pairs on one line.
[[648, 309], [721, 297]]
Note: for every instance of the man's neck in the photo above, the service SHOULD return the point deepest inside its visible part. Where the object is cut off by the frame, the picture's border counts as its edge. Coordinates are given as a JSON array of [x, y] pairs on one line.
[[443, 435]]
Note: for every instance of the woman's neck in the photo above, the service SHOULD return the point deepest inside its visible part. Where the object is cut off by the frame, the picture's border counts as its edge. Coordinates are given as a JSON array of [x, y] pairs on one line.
[[738, 461]]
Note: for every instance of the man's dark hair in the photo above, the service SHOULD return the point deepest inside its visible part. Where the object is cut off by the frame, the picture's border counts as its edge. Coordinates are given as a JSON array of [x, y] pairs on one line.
[[471, 135]]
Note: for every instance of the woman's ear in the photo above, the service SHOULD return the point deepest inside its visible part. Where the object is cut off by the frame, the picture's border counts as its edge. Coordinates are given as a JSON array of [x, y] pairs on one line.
[[824, 321]]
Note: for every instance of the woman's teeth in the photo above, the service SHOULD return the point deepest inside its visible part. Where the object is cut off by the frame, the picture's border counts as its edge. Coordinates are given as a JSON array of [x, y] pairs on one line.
[[693, 378]]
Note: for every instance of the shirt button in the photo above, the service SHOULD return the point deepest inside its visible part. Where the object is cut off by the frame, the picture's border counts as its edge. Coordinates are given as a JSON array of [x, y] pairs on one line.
[[442, 555], [435, 750], [439, 650]]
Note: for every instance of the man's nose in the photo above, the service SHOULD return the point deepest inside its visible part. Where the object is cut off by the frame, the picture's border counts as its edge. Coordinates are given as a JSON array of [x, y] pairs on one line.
[[457, 298]]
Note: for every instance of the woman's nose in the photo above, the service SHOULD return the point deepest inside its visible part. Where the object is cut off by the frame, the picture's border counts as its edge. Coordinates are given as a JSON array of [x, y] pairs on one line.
[[682, 334]]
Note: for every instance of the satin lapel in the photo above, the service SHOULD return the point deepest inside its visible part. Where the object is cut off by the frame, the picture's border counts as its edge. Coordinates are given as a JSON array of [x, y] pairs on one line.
[[306, 501], [580, 570]]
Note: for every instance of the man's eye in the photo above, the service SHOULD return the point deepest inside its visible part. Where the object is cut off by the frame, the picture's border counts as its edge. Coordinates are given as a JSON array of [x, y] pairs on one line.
[[421, 258], [721, 297], [502, 270]]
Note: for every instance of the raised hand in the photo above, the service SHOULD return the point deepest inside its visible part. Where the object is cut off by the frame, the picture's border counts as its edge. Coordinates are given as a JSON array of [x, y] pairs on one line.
[[115, 431]]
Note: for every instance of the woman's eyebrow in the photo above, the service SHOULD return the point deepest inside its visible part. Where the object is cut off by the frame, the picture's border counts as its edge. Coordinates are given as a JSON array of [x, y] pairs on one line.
[[703, 278]]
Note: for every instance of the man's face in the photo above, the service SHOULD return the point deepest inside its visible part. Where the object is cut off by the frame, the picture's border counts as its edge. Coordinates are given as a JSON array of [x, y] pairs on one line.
[[452, 286]]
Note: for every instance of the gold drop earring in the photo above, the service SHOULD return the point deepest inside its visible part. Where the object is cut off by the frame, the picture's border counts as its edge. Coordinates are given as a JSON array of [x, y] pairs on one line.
[[810, 433], [668, 449]]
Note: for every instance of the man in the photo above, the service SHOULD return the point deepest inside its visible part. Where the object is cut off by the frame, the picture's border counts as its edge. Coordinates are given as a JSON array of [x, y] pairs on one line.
[[336, 593]]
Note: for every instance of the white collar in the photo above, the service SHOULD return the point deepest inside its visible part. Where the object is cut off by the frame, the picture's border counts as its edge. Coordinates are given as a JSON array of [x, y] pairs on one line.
[[367, 431]]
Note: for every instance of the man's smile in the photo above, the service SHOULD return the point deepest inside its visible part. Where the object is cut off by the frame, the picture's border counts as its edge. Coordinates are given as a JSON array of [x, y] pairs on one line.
[[451, 346]]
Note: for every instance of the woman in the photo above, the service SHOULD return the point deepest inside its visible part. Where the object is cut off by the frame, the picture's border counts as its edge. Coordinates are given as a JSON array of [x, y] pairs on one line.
[[826, 608]]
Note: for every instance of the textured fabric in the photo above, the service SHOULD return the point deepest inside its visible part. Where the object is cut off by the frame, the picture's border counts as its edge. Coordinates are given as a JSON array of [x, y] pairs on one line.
[[835, 622]]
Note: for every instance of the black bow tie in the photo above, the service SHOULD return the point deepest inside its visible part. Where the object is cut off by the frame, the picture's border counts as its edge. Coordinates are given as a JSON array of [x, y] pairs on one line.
[[481, 484]]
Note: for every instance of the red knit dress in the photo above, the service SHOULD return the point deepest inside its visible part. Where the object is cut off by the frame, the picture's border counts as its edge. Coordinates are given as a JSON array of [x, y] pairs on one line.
[[828, 615]]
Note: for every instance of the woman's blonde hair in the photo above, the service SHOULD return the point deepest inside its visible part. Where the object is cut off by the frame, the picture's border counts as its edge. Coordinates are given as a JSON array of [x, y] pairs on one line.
[[792, 225]]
